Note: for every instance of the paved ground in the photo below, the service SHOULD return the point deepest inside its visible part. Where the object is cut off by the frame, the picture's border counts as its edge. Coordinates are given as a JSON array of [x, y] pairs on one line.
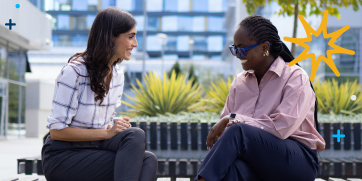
[[13, 148]]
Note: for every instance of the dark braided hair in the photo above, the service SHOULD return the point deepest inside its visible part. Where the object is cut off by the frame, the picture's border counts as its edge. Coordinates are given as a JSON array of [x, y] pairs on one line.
[[262, 30]]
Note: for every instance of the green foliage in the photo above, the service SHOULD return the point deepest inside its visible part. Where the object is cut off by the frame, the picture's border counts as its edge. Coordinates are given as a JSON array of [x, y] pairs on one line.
[[192, 75], [167, 96], [217, 94], [176, 67], [334, 98]]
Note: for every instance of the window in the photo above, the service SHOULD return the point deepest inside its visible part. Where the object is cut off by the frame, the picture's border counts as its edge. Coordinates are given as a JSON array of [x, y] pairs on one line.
[[215, 43], [152, 24], [198, 23], [200, 43], [140, 20], [107, 3], [78, 23], [124, 5], [64, 5], [171, 5], [90, 20], [140, 42], [92, 5], [215, 5], [199, 5], [79, 40], [61, 40], [169, 23], [153, 43], [79, 5], [154, 5], [184, 23], [63, 22], [183, 5], [171, 43], [215, 23], [138, 5], [183, 43]]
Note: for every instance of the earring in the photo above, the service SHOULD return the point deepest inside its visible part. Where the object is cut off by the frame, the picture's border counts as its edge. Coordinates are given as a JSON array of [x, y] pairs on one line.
[[267, 53], [264, 54]]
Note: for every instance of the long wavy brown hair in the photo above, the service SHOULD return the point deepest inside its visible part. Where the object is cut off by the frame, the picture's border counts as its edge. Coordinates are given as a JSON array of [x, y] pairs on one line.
[[108, 24]]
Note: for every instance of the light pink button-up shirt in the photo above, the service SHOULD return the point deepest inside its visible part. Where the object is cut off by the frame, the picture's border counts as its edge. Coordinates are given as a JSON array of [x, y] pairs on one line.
[[282, 104]]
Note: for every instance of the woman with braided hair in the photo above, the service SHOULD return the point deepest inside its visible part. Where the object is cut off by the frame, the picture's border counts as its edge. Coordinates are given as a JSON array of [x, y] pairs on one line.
[[268, 127]]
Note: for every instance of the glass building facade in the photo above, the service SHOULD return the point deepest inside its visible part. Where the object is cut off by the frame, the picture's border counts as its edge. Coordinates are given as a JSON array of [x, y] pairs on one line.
[[13, 65], [182, 20]]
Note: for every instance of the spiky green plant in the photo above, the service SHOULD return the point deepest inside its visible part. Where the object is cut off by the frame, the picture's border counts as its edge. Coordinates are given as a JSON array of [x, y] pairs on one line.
[[217, 94], [336, 99], [164, 96]]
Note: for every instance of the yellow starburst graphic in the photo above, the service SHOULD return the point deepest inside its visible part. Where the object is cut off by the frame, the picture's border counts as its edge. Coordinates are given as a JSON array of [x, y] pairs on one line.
[[302, 42]]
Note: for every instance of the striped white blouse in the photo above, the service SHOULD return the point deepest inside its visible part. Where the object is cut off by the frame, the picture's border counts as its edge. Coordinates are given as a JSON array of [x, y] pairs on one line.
[[73, 101]]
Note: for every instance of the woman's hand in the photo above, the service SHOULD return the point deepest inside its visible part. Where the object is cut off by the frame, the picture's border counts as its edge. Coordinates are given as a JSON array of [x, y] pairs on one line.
[[118, 126], [216, 131]]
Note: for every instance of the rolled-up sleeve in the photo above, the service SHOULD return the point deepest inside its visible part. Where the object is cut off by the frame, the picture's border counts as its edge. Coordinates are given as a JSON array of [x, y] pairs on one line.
[[298, 100], [65, 100]]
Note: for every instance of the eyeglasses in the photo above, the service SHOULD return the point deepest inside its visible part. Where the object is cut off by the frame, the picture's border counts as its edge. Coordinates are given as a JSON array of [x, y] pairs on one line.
[[241, 51]]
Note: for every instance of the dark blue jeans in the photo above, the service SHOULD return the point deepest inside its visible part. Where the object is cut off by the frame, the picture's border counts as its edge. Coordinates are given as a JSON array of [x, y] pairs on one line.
[[123, 157], [247, 153]]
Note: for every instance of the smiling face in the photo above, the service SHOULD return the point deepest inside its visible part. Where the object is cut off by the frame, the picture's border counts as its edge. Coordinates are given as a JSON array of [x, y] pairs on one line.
[[124, 44], [254, 56]]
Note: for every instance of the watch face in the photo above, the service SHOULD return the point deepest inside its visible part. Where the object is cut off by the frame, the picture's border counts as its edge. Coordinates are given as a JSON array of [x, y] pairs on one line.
[[232, 115]]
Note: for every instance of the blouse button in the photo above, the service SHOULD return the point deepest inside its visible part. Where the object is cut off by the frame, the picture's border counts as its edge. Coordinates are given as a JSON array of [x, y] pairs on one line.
[[262, 127]]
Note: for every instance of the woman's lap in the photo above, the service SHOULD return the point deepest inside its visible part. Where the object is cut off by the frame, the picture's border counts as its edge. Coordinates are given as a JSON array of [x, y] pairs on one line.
[[268, 156]]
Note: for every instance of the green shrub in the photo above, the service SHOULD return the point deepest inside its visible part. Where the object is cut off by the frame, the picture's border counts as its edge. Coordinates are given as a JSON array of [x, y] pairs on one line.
[[167, 96], [334, 98], [217, 94]]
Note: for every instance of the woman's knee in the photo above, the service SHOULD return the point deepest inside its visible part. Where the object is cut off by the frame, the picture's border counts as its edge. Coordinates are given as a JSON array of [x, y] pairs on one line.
[[150, 158]]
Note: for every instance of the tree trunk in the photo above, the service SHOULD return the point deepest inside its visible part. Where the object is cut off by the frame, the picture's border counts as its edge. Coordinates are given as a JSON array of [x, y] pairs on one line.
[[296, 13]]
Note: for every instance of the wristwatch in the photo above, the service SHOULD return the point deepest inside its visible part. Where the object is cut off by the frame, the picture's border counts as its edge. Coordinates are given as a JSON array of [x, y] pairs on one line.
[[232, 116]]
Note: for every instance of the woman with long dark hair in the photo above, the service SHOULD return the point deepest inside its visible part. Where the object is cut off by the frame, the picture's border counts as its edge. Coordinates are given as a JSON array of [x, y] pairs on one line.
[[268, 128], [84, 142]]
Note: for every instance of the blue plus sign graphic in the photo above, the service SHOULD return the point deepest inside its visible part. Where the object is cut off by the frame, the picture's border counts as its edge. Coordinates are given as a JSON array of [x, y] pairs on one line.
[[338, 135], [10, 24]]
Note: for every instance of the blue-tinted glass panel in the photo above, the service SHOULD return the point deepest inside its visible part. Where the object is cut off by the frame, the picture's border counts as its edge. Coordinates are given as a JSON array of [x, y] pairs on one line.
[[90, 20], [184, 23], [124, 5], [79, 40], [183, 5], [154, 5], [140, 42], [92, 5], [152, 23], [200, 43], [78, 23], [215, 43], [153, 43], [215, 23], [200, 5], [63, 22], [215, 5], [107, 3], [140, 20], [183, 43], [225, 5], [171, 43], [63, 5], [171, 5], [61, 40], [169, 23], [198, 23], [138, 5], [79, 5]]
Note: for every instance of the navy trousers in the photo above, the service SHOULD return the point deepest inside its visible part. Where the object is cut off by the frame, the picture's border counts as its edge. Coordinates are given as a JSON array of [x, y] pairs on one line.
[[247, 153], [123, 157]]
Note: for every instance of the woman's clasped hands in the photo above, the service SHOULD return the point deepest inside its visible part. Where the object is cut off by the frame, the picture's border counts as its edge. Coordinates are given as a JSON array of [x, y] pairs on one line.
[[118, 126]]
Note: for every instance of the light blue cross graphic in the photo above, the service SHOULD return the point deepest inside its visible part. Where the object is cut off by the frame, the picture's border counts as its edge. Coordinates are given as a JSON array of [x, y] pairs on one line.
[[338, 135]]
